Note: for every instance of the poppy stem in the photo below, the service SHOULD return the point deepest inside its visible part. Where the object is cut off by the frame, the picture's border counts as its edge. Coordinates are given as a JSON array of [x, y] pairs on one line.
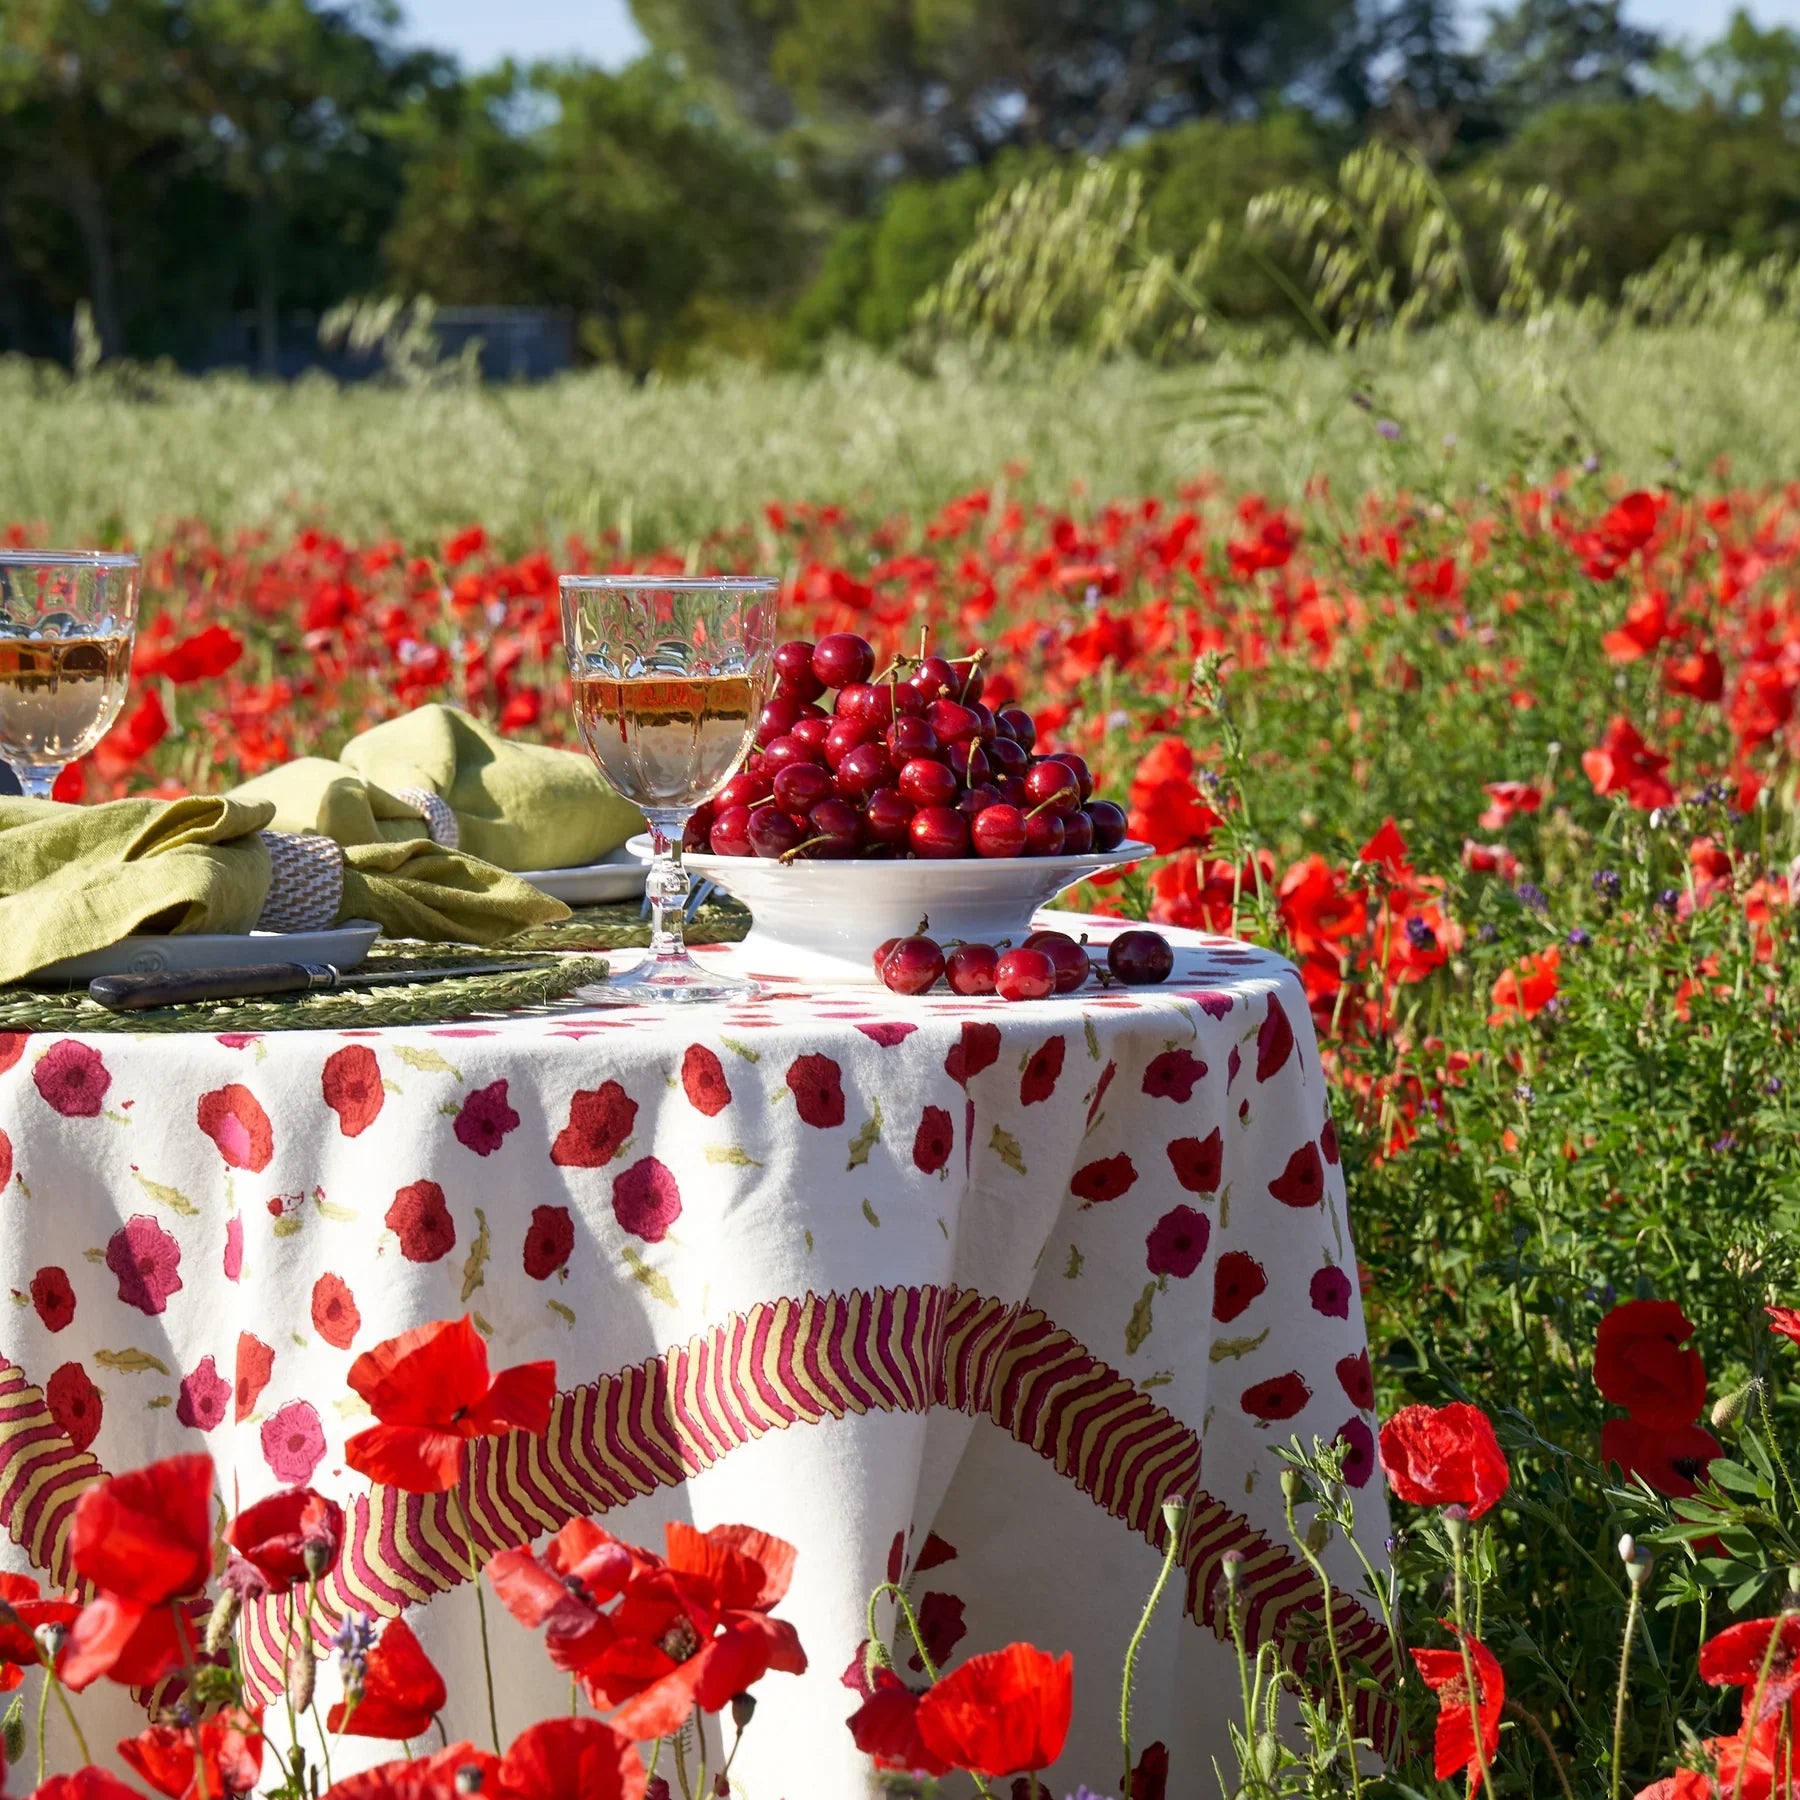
[[1175, 1530], [1753, 1707], [1632, 1607], [1543, 1737], [700, 1740], [487, 1657], [68, 1712], [1346, 1712], [918, 1638], [1457, 1536], [43, 1717], [312, 1602]]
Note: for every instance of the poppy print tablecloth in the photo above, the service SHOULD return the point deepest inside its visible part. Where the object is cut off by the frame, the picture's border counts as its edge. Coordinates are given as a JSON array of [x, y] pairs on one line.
[[946, 1291]]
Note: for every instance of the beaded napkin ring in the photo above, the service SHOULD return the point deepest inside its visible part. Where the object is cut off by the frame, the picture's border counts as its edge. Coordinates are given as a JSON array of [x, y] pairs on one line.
[[306, 881], [441, 824]]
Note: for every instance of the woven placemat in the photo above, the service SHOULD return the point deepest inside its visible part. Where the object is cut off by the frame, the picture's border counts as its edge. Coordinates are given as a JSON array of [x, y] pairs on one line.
[[412, 1003], [620, 926]]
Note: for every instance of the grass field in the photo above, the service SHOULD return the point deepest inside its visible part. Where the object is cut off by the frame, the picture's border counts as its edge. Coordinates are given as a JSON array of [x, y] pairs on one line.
[[120, 455]]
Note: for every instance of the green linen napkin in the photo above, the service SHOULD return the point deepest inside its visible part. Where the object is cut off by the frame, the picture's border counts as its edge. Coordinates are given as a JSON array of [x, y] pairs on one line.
[[519, 806], [77, 878]]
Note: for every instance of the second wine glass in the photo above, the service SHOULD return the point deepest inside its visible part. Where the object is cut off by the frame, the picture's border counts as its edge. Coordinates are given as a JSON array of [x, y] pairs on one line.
[[669, 678]]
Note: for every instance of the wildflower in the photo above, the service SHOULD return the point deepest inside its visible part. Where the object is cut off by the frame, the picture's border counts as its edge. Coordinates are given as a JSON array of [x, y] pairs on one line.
[[1607, 883], [1670, 1461], [1784, 1321], [1437, 1456], [572, 1759], [1530, 895], [1579, 937], [1003, 1713], [1526, 989], [1420, 935], [886, 1727], [1668, 900], [1624, 764], [1386, 428], [1525, 1094], [1460, 1714], [1757, 1654], [401, 1690], [27, 1620], [1641, 1364], [218, 1760], [283, 1536]]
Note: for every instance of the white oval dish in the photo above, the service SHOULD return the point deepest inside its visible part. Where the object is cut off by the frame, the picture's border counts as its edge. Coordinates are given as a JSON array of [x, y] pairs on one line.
[[824, 920], [618, 875]]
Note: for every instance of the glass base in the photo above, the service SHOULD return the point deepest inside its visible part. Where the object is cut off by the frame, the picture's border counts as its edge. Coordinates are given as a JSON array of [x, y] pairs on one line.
[[668, 981]]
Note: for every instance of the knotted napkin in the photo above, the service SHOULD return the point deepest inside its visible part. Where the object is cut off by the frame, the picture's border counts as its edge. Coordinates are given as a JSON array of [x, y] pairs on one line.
[[440, 773], [77, 878]]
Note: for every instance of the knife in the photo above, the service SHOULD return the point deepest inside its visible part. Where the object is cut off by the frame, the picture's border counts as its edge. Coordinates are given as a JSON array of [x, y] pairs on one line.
[[135, 993]]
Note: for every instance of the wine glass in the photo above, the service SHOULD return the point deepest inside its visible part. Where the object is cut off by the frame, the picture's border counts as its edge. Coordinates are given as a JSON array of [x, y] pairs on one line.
[[67, 619], [669, 676]]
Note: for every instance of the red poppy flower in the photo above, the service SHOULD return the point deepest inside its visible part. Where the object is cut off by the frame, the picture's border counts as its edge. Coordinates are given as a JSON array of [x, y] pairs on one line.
[[85, 1784], [1443, 1456], [1507, 799], [1741, 1767], [225, 1761], [1784, 1321], [562, 1588], [886, 1727], [147, 1536], [431, 1391], [1444, 1674], [1672, 1462], [1523, 991], [1003, 1713], [402, 1692], [1167, 811], [23, 1609], [277, 1534], [1641, 1365], [133, 1645], [424, 1778], [1740, 1657], [1624, 764], [572, 1759]]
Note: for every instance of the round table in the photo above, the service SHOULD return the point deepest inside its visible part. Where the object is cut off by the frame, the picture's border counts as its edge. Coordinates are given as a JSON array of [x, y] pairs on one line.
[[944, 1290]]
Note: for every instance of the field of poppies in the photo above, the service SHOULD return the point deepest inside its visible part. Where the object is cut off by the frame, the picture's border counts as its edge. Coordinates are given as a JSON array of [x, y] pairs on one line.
[[1508, 769]]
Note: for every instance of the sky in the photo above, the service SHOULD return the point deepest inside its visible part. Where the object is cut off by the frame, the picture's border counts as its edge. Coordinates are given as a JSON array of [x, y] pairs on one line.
[[481, 32]]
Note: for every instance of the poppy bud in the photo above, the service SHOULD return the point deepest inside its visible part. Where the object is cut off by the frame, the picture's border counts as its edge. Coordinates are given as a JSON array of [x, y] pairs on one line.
[[1293, 1484], [1627, 1548], [50, 1639], [1174, 1512], [1232, 1563], [1456, 1522], [1268, 1751], [1318, 1534], [223, 1617], [658, 1789], [1728, 1407], [317, 1553], [743, 1709], [301, 1672], [12, 1731], [722, 1785], [468, 1779]]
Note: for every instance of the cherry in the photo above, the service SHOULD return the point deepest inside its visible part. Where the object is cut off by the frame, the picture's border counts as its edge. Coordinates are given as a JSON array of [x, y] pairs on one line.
[[1024, 975], [1053, 786], [794, 658], [842, 736], [838, 824], [812, 732], [934, 677], [908, 737], [969, 679], [1110, 824], [969, 968], [973, 802], [863, 770], [911, 966], [1078, 833], [773, 833], [800, 786], [730, 834], [1067, 956], [1016, 723], [970, 763], [985, 728], [1012, 790], [999, 831], [1045, 834], [881, 952], [787, 749], [804, 686], [744, 788], [926, 783], [874, 705], [699, 827], [1078, 766], [954, 724], [1005, 755], [777, 719], [907, 700], [843, 659], [887, 816], [1140, 958], [938, 833]]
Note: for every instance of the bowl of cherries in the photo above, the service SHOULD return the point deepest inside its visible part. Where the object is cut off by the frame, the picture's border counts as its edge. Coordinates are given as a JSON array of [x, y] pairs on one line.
[[873, 798]]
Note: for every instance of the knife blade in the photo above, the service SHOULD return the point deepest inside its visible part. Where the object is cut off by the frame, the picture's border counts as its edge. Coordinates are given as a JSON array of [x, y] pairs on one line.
[[137, 993]]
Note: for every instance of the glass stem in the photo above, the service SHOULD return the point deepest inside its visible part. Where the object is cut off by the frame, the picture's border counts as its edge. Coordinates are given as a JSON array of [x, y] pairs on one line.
[[37, 779], [669, 885]]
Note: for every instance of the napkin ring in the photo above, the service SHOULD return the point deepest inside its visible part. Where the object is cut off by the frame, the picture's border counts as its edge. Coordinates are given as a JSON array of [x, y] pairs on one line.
[[441, 823], [306, 881]]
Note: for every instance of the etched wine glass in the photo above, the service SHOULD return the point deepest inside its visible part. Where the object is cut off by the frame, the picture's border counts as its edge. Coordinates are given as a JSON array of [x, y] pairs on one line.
[[67, 620], [670, 675]]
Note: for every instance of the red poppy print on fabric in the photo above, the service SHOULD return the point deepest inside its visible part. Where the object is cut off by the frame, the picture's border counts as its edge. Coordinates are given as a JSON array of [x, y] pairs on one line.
[[484, 1119], [1328, 1143], [74, 1404], [205, 1394], [351, 1081], [1100, 1087], [976, 1049], [421, 1220], [1104, 1180], [1198, 1162], [233, 1259], [293, 1442], [1042, 1071], [646, 1201], [1177, 1242], [887, 1032], [817, 1084], [53, 1297], [942, 1627], [600, 1121], [1238, 1281], [549, 1241], [255, 1363], [335, 1315], [6, 1162], [1280, 1397], [233, 1118], [703, 1080], [147, 1262], [72, 1079], [1356, 1379], [1302, 1182], [1173, 1076], [1359, 1452], [1329, 1292], [933, 1141], [12, 1047], [1274, 1041]]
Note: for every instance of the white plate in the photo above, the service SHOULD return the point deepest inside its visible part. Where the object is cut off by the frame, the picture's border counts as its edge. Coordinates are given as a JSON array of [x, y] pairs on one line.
[[619, 875], [823, 920], [344, 946]]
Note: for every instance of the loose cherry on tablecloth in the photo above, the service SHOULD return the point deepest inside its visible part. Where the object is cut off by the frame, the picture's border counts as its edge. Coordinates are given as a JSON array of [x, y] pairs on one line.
[[1048, 962]]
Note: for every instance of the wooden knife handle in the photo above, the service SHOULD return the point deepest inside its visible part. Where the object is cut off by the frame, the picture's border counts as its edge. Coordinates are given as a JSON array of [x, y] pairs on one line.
[[136, 993]]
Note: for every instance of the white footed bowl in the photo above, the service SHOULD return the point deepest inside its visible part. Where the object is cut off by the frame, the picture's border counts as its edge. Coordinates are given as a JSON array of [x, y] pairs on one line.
[[824, 920]]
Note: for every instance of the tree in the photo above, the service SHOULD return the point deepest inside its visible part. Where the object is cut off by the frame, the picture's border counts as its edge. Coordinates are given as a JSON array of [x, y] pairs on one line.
[[1548, 53], [929, 88]]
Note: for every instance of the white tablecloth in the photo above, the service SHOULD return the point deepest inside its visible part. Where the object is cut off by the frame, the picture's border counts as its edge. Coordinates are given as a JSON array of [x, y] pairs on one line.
[[937, 1286]]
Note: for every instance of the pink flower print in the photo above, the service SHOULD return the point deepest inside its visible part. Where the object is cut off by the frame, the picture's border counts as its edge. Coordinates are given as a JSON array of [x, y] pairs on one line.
[[646, 1201], [6, 1162], [1177, 1242], [147, 1262], [203, 1398], [1330, 1292], [74, 1404], [53, 1297], [888, 1032], [1359, 1452], [1274, 1041], [485, 1119], [817, 1084], [72, 1079], [233, 1118], [234, 1248], [293, 1442]]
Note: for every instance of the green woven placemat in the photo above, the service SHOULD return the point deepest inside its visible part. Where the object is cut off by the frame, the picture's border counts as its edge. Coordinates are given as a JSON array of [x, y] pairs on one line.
[[414, 1003], [620, 926]]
